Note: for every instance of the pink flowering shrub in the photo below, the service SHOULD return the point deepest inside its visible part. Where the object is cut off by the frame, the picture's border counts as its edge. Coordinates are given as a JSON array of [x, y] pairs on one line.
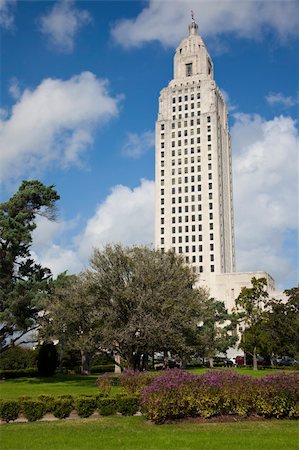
[[134, 381], [175, 394]]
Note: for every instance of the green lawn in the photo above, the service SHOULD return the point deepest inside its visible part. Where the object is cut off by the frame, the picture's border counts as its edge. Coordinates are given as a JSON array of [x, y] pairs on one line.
[[73, 384], [136, 433]]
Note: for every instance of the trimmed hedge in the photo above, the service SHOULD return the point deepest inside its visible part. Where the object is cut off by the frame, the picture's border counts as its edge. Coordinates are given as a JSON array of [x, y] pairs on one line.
[[18, 373], [103, 368], [9, 410], [107, 406], [33, 409], [62, 407], [86, 406]]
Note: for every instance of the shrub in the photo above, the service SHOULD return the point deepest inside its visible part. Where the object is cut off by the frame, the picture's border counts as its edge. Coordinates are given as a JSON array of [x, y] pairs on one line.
[[17, 358], [47, 400], [177, 394], [134, 381], [128, 406], [9, 410], [62, 407], [103, 368], [85, 406], [47, 360], [33, 409], [104, 384], [107, 406], [18, 373]]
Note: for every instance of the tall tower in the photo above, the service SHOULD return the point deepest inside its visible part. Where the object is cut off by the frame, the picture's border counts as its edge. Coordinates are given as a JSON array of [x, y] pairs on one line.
[[194, 208]]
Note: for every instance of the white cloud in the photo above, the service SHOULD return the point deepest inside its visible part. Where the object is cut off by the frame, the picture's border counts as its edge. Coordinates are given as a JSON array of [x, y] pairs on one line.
[[280, 99], [265, 193], [14, 89], [63, 23], [126, 216], [138, 144], [6, 13], [166, 21], [48, 252], [53, 124]]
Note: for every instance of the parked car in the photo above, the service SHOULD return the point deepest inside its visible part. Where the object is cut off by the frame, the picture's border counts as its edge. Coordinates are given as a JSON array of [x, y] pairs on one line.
[[286, 361], [239, 360], [220, 361]]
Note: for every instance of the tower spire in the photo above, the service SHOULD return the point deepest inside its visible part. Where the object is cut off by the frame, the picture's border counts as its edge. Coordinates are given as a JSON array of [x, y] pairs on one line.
[[193, 27]]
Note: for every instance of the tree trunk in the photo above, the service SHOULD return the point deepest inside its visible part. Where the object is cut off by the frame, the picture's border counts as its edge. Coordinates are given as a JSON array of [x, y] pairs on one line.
[[254, 358], [85, 362], [211, 362]]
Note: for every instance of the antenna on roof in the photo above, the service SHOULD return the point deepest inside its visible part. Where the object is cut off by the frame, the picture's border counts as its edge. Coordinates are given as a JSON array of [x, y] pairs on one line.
[[192, 16]]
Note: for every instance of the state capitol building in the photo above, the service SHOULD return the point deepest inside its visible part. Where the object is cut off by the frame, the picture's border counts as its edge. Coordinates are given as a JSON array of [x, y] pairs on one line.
[[194, 196]]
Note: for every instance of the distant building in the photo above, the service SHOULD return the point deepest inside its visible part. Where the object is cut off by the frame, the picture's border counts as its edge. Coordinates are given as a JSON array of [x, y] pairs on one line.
[[194, 199]]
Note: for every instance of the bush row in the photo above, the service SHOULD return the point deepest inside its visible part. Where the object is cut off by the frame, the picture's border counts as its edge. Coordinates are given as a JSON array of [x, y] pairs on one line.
[[177, 394], [61, 407], [18, 373]]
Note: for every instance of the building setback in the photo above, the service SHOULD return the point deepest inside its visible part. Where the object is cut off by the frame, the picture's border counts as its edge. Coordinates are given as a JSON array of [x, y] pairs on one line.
[[194, 200]]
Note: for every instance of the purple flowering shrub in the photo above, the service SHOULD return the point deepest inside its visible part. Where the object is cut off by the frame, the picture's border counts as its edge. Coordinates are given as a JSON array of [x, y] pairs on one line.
[[134, 381], [176, 394]]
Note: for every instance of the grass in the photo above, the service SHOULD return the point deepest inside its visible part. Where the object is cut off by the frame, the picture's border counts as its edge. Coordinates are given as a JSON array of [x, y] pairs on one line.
[[73, 384], [135, 433]]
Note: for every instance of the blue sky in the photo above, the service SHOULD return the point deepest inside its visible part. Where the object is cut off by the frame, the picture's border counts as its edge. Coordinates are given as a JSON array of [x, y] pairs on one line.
[[79, 95]]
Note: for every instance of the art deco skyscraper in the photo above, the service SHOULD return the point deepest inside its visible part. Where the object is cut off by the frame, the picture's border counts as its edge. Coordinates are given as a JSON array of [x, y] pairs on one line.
[[194, 208]]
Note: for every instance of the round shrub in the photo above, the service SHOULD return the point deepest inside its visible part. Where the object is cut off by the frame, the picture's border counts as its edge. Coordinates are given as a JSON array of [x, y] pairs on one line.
[[62, 408], [33, 410], [85, 406], [9, 410], [107, 406], [128, 406], [47, 400]]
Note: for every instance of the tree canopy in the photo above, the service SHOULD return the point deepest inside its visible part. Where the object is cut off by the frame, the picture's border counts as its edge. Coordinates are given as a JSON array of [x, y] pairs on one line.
[[21, 279]]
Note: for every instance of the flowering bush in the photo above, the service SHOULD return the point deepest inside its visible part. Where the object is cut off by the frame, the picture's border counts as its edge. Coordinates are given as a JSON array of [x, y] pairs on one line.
[[177, 394], [104, 384], [134, 381]]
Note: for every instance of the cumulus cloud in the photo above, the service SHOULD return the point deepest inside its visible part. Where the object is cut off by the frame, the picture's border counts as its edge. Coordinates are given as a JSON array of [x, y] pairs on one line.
[[7, 13], [265, 193], [126, 216], [47, 250], [63, 23], [14, 88], [282, 100], [166, 21], [138, 144], [53, 124]]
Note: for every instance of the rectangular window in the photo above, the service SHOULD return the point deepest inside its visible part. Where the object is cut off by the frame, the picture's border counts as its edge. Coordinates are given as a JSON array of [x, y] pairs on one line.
[[212, 268]]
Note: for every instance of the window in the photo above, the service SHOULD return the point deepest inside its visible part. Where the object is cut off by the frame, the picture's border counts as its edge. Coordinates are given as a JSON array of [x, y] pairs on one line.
[[162, 241], [209, 137], [211, 226], [208, 118], [211, 247], [162, 126], [212, 269], [162, 230], [211, 236], [200, 268], [162, 210], [212, 257]]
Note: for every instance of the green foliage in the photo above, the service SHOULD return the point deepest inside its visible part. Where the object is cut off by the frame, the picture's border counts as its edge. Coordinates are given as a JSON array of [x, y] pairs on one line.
[[128, 406], [33, 409], [107, 406], [48, 401], [9, 410], [133, 381], [61, 407], [103, 368], [85, 406], [22, 280], [47, 360], [16, 358], [146, 301], [19, 373]]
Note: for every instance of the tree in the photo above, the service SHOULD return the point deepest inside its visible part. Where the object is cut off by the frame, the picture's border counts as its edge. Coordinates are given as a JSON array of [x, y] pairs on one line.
[[250, 311], [71, 317], [47, 359], [21, 279], [214, 334], [146, 301]]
